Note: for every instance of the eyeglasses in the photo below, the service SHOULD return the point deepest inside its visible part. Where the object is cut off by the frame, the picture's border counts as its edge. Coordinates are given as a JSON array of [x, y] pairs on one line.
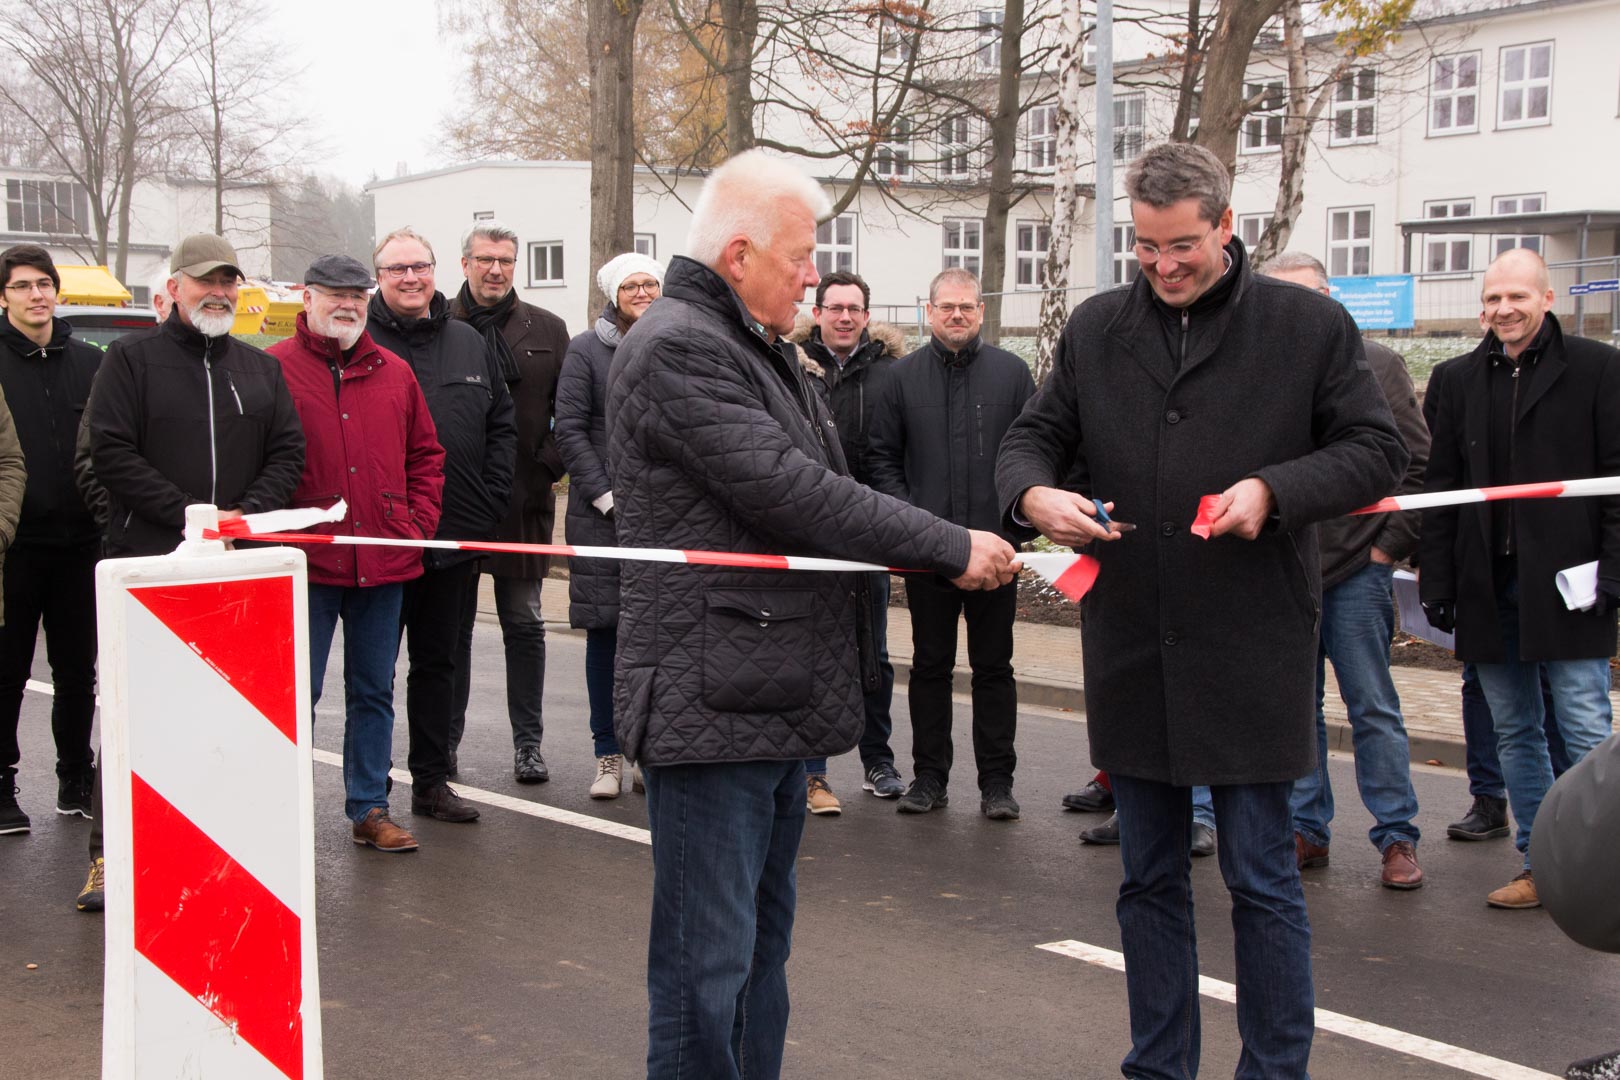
[[651, 288], [486, 262], [22, 288], [838, 311], [1151, 253], [948, 310], [399, 270]]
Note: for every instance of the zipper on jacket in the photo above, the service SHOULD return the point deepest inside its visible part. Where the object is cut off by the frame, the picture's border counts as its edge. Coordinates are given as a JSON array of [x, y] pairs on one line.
[[213, 449], [230, 382], [1513, 439], [1185, 319], [978, 424]]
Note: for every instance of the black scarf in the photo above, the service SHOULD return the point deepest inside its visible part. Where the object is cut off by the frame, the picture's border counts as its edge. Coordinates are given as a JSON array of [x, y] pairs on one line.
[[488, 321]]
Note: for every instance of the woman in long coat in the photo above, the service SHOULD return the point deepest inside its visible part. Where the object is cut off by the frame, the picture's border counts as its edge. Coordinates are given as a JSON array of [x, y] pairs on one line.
[[631, 282]]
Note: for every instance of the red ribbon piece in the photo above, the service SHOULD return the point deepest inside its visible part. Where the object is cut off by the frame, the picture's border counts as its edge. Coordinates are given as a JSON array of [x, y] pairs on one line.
[[1206, 516], [1078, 579]]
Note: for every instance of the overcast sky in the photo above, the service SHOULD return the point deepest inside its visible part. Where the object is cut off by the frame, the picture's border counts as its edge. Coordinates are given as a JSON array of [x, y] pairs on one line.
[[377, 84]]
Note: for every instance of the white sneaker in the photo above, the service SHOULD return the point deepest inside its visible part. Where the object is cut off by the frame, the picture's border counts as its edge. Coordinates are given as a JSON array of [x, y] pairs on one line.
[[609, 771]]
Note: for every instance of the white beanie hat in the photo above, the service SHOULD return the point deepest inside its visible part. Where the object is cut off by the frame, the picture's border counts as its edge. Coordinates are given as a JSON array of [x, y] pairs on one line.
[[616, 269]]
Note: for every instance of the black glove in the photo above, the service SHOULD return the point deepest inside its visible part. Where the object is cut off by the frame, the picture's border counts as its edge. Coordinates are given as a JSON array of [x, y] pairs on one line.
[[1442, 615], [1608, 598]]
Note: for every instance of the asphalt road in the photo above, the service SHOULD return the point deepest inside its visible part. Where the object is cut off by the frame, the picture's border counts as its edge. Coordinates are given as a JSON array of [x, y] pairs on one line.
[[515, 947]]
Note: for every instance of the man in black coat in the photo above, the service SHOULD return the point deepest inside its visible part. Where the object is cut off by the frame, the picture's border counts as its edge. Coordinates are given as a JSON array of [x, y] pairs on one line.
[[1200, 654], [940, 418], [530, 343], [729, 678], [472, 412], [1528, 405]]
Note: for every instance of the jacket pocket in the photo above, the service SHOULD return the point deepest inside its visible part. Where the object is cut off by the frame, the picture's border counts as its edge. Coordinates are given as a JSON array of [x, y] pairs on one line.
[[758, 648]]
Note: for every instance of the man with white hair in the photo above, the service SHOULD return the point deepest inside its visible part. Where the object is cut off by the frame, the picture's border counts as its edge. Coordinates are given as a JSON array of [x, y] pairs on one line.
[[729, 678], [371, 442], [161, 304]]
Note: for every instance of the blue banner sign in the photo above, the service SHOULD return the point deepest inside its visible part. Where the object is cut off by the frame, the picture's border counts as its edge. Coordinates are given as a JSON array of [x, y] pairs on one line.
[[1376, 303], [1588, 287]]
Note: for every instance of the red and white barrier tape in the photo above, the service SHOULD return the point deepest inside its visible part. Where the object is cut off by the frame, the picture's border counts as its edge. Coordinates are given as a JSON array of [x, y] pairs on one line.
[[1070, 574], [1556, 489]]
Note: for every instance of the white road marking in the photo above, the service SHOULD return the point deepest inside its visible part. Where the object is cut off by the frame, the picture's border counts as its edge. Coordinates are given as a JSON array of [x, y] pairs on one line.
[[520, 806], [1389, 1038]]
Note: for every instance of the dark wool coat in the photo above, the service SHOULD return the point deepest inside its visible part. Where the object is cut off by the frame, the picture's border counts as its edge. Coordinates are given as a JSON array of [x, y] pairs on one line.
[[177, 418], [368, 440], [1566, 427], [716, 442], [1200, 656], [538, 340], [593, 584]]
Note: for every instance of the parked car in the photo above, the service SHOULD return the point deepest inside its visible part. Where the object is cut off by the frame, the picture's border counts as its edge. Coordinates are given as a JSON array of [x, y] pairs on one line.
[[101, 325]]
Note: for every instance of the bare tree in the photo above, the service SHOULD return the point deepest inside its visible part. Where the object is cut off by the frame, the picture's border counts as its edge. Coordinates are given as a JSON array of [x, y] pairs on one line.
[[611, 37], [105, 66], [317, 216], [1065, 204]]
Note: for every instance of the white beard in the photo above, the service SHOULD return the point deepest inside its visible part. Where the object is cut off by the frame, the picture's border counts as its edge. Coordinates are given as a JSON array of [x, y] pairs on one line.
[[212, 323], [344, 333]]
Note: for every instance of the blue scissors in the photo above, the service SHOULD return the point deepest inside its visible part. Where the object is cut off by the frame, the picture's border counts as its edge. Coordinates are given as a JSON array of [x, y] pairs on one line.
[[1108, 522]]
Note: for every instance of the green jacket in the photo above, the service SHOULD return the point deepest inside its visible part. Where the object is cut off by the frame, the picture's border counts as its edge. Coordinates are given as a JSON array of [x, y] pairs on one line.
[[13, 478]]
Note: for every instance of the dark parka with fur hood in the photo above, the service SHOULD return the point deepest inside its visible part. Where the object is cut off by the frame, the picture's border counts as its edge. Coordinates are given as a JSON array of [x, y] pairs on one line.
[[717, 443], [851, 391]]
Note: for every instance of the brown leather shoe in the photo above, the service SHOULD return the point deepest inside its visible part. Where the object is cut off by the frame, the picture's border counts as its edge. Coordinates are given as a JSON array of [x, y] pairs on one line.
[[1401, 870], [1307, 854], [1516, 894], [379, 831]]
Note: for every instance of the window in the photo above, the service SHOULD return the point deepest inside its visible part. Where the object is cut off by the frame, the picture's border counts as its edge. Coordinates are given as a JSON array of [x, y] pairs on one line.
[[1524, 85], [896, 42], [893, 158], [989, 54], [1448, 253], [1263, 128], [545, 263], [955, 147], [835, 244], [646, 244], [964, 244], [1033, 238], [1350, 241], [1355, 108], [1130, 127], [54, 207], [1454, 94], [1088, 49], [1125, 264], [1040, 138], [1518, 204], [1251, 227], [483, 215]]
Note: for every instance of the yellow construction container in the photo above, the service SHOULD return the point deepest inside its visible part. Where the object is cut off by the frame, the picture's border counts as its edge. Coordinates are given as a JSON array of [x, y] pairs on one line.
[[92, 286], [252, 305], [282, 318]]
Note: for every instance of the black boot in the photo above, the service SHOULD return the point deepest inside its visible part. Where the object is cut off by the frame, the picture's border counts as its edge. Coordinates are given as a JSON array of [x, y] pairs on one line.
[[12, 818], [1486, 820]]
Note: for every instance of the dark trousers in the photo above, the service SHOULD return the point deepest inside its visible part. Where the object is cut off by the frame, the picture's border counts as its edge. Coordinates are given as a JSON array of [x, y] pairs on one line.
[[431, 617], [523, 633], [935, 606], [56, 587], [1479, 736]]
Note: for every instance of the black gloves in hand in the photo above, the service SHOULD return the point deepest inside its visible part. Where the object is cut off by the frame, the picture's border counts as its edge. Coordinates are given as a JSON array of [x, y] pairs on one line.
[[1608, 598], [1442, 615]]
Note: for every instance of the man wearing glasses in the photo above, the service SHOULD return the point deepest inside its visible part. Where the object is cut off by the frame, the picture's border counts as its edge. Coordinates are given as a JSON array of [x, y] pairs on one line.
[[940, 419], [1203, 377], [529, 343], [472, 413]]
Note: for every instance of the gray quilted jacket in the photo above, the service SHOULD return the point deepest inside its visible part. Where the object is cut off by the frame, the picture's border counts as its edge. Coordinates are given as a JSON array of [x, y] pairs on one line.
[[716, 443]]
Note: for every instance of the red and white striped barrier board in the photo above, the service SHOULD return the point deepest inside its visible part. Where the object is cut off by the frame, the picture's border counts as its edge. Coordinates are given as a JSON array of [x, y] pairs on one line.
[[208, 797], [1067, 572]]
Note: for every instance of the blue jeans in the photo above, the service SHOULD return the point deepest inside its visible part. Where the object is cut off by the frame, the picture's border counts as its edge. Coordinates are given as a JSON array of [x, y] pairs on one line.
[[1580, 690], [724, 840], [370, 648], [1272, 935], [1358, 622], [879, 723], [1203, 806], [600, 646], [1479, 736]]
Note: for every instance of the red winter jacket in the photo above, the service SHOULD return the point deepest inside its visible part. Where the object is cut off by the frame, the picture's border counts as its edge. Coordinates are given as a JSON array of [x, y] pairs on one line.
[[370, 442]]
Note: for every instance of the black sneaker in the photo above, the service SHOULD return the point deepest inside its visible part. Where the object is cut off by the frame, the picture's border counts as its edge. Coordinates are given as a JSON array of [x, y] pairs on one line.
[[73, 795], [93, 897], [442, 802], [924, 794], [12, 818], [529, 767], [883, 780], [998, 804], [1486, 820], [1106, 833], [1091, 799]]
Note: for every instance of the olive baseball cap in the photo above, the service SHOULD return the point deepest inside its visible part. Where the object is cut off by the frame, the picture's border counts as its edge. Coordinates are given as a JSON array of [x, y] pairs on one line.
[[200, 254]]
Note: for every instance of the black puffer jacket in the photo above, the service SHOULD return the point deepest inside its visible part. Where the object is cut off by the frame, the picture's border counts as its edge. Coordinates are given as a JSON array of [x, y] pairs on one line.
[[716, 442], [593, 584], [472, 410], [47, 389], [939, 420], [177, 418]]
